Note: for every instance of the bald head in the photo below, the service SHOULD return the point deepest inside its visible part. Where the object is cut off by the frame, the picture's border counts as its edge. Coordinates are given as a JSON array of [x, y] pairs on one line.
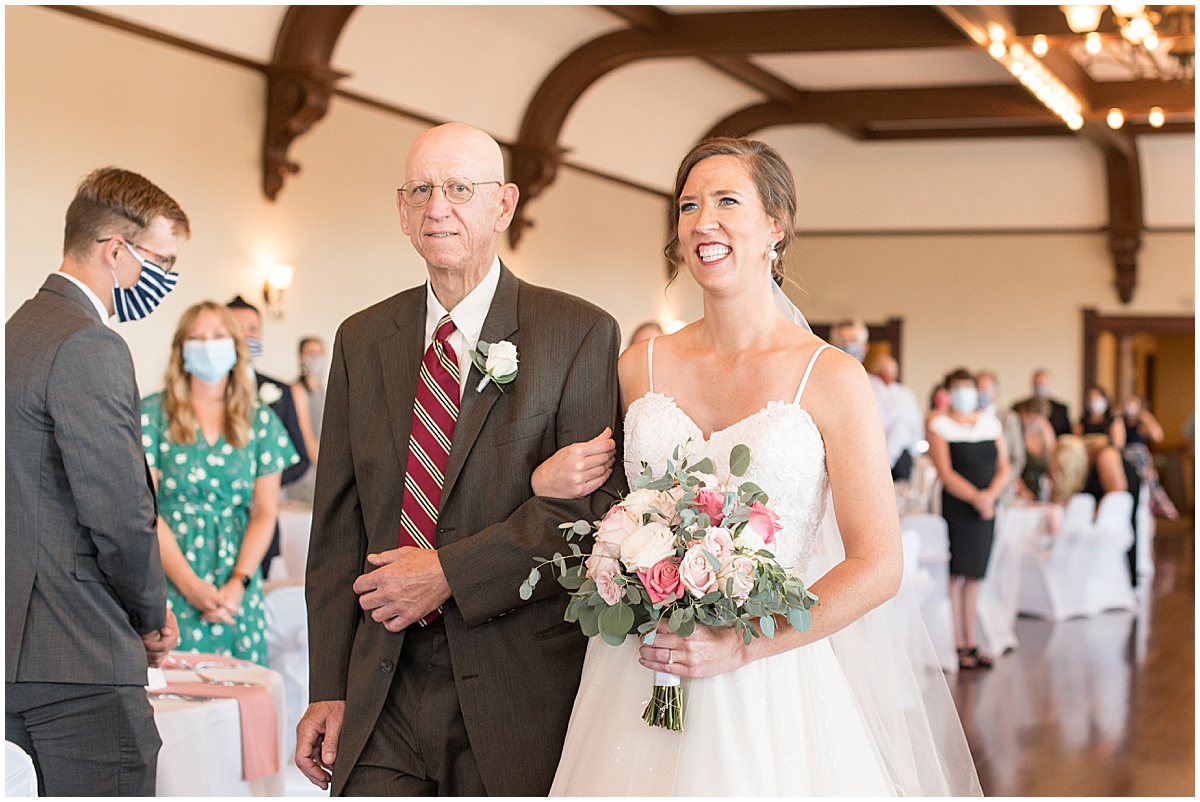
[[886, 368], [455, 146]]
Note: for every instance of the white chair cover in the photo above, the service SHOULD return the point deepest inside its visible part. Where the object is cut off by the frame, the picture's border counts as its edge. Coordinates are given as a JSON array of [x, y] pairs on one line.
[[295, 522], [20, 779], [1108, 582], [1145, 536], [1054, 580], [287, 650]]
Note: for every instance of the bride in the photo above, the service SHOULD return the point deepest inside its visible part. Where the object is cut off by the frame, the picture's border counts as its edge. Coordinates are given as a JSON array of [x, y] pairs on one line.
[[834, 710]]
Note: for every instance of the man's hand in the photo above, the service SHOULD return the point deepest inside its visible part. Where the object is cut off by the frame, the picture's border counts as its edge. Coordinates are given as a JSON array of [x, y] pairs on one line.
[[576, 470], [408, 585], [317, 737], [161, 641]]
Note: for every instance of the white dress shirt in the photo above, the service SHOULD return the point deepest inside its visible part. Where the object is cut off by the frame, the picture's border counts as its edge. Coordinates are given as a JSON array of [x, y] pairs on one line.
[[468, 319], [95, 299]]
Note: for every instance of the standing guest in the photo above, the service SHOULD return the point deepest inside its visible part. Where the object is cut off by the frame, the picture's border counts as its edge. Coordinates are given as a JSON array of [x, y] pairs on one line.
[[432, 674], [216, 455], [909, 428], [1058, 415], [967, 448], [85, 607], [275, 393], [852, 336], [1098, 418], [1010, 421], [939, 403], [1038, 446], [645, 331], [308, 395]]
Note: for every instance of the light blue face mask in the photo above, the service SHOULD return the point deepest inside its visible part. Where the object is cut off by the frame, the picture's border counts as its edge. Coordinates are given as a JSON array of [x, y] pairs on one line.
[[964, 399], [856, 350], [209, 360]]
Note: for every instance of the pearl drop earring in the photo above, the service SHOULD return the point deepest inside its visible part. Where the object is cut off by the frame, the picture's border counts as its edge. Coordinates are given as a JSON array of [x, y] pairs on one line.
[[773, 254]]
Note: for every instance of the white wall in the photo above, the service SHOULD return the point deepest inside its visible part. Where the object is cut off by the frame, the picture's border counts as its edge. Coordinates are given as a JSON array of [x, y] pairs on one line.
[[81, 95]]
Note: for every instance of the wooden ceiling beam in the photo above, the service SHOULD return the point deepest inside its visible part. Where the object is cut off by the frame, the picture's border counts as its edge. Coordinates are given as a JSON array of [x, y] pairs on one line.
[[536, 155], [300, 82]]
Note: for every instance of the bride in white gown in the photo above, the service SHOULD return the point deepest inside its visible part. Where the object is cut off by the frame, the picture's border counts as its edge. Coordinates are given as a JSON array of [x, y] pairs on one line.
[[836, 710]]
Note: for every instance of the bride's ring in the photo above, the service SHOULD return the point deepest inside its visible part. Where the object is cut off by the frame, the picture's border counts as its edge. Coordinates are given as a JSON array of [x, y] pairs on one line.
[[670, 656]]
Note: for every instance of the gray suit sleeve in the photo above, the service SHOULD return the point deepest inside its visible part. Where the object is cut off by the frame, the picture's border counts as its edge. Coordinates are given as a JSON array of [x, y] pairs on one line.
[[93, 401], [485, 570]]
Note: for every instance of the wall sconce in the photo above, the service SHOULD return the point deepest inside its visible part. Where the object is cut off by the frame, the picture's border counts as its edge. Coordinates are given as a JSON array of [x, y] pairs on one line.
[[279, 280]]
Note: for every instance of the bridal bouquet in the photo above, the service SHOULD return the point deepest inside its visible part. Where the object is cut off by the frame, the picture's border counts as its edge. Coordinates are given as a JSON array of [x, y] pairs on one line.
[[686, 548]]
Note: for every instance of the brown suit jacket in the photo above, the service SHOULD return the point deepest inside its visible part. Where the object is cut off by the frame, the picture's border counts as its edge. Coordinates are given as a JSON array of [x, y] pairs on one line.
[[516, 663]]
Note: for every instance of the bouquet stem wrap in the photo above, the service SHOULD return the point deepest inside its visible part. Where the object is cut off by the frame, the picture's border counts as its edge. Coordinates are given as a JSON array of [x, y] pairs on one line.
[[666, 703]]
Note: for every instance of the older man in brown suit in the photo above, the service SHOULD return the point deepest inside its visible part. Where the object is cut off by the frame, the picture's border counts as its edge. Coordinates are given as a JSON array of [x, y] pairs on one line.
[[429, 674]]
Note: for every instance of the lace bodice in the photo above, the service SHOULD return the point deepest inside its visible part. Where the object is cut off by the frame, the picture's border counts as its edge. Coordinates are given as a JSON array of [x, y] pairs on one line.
[[787, 460]]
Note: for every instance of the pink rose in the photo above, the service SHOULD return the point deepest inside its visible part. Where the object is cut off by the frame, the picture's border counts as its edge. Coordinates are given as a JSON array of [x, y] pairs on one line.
[[741, 571], [662, 580], [667, 499], [711, 502], [608, 589], [602, 561], [719, 543], [612, 531], [696, 573], [764, 521]]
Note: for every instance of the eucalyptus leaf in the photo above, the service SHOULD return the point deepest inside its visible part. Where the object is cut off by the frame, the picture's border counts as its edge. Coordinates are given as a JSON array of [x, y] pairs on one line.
[[704, 466], [767, 624], [739, 459], [676, 619], [615, 623], [589, 620], [526, 591], [581, 527], [686, 628], [632, 594], [534, 575]]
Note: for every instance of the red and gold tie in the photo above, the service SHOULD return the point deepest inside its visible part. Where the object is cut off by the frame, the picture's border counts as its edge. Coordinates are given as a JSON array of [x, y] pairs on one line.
[[434, 414]]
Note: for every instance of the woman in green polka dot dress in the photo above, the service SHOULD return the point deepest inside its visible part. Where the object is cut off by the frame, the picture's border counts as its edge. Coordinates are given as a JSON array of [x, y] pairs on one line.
[[216, 454]]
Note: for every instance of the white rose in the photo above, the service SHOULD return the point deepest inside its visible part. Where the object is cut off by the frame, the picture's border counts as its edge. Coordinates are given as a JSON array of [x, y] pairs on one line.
[[646, 546], [502, 359], [639, 502], [751, 540], [269, 393], [741, 571]]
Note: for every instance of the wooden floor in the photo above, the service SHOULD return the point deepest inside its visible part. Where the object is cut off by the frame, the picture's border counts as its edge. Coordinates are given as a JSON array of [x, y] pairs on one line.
[[1099, 706]]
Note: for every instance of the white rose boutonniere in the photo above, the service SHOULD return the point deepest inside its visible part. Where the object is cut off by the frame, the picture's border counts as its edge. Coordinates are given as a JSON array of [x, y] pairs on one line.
[[269, 393], [496, 361]]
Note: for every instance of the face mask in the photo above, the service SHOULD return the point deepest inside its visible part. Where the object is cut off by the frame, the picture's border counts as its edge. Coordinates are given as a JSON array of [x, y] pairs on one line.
[[1041, 390], [313, 365], [986, 398], [209, 360], [256, 347], [964, 399], [135, 302], [1098, 406], [856, 350]]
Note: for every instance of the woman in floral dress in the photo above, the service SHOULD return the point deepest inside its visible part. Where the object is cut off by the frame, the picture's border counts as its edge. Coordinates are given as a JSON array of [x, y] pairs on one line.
[[216, 453]]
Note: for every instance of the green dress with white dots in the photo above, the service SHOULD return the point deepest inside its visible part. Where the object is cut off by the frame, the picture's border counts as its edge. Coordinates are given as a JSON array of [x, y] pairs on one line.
[[204, 495]]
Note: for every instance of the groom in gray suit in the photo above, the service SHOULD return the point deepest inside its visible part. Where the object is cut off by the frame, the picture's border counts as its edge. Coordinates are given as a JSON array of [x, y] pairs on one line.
[[85, 606], [429, 674]]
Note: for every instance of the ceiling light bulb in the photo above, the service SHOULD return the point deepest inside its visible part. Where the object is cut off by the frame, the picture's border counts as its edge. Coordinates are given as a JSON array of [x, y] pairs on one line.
[[1035, 83], [1075, 122], [1127, 10], [1040, 45], [1082, 19], [1138, 29], [1016, 68], [1151, 41], [997, 49], [1115, 119], [996, 32], [1157, 118], [1093, 43]]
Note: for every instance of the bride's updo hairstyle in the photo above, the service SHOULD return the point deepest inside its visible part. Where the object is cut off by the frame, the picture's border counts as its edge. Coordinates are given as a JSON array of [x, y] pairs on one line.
[[771, 176]]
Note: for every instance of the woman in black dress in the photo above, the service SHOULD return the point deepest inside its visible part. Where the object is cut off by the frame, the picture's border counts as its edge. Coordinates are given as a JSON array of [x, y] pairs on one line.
[[1098, 418], [967, 447]]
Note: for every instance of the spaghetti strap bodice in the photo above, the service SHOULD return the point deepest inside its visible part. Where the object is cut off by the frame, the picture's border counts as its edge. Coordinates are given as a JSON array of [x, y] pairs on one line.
[[650, 361], [812, 361]]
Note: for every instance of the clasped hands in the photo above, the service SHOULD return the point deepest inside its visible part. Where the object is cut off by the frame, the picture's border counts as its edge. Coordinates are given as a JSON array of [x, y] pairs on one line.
[[217, 605], [407, 585]]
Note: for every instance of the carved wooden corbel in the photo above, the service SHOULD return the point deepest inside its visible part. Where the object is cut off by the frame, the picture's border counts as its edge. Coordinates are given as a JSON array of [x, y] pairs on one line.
[[299, 84], [533, 169]]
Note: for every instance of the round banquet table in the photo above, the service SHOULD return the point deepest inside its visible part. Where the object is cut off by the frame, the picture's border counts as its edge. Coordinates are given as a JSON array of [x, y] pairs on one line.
[[202, 741]]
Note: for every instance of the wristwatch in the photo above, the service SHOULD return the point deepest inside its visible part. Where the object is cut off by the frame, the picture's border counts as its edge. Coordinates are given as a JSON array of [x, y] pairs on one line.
[[245, 580]]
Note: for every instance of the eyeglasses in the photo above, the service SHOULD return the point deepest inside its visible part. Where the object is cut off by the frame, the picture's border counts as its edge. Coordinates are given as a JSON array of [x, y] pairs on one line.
[[167, 263], [456, 190]]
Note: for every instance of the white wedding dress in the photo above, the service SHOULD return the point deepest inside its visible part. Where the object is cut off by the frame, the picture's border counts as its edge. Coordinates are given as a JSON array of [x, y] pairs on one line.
[[794, 724]]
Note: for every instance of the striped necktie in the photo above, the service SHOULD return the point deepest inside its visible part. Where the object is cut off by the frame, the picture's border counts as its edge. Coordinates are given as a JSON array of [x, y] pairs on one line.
[[435, 411]]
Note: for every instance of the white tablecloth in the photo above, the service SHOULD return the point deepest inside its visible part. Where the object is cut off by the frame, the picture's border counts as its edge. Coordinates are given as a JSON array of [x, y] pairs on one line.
[[1016, 526], [202, 741]]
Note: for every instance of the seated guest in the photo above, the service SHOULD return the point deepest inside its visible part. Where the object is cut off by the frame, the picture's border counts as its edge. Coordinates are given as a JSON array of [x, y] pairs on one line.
[[1142, 430], [216, 454], [1038, 444], [1058, 414], [1098, 418], [1106, 472]]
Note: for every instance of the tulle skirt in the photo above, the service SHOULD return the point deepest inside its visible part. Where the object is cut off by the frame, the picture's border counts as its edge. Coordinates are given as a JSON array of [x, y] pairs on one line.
[[783, 725]]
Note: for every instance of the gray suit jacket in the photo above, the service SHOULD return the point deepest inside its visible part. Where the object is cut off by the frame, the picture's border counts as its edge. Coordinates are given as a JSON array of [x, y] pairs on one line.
[[516, 664], [83, 576]]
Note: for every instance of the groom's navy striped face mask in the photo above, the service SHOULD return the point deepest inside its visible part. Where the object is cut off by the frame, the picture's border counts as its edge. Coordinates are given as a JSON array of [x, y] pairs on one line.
[[134, 303]]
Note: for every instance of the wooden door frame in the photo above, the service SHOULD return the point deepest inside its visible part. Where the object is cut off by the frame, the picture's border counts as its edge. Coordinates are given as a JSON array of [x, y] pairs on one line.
[[1095, 323]]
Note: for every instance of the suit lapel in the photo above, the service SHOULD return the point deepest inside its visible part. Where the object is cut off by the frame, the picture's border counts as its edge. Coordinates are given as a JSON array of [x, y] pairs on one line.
[[500, 324], [400, 361]]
